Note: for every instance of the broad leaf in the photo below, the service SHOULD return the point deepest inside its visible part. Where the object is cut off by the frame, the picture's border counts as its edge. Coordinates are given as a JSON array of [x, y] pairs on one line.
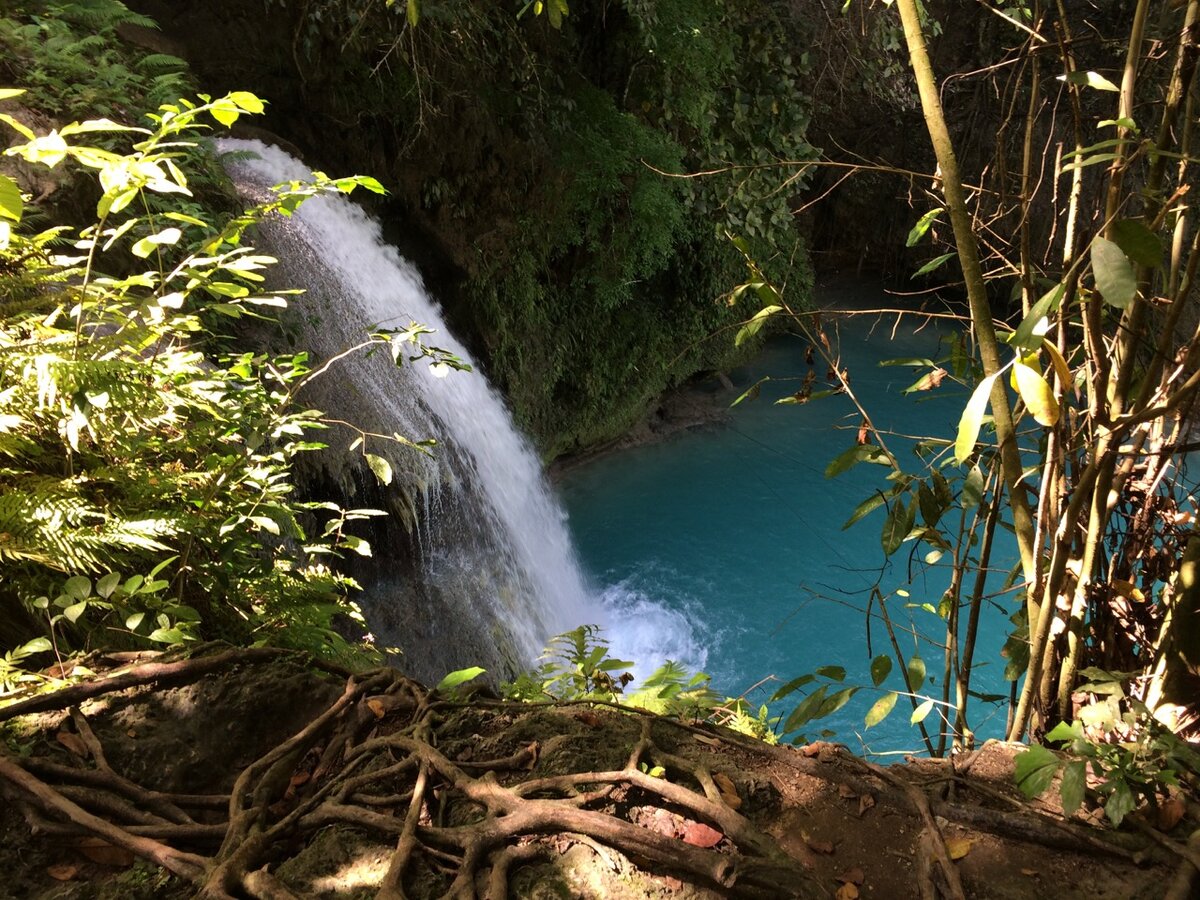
[[1114, 275], [833, 673], [1138, 242], [380, 467], [1028, 335], [752, 327], [11, 204], [881, 667], [881, 709], [919, 714], [454, 679], [806, 710], [923, 225], [972, 419], [1035, 770], [972, 492], [916, 673], [1072, 787], [936, 263], [791, 686], [1090, 79], [1036, 393], [1120, 802]]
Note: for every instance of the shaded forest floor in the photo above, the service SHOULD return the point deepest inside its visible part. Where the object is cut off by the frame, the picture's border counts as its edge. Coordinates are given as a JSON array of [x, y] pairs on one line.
[[371, 785]]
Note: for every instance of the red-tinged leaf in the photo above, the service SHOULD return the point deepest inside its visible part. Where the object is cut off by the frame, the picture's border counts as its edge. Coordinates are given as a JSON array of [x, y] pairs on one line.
[[62, 871], [104, 853], [825, 847], [700, 835]]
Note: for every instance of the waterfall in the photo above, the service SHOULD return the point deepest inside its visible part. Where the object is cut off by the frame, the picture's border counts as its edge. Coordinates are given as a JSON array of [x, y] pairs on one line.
[[476, 565]]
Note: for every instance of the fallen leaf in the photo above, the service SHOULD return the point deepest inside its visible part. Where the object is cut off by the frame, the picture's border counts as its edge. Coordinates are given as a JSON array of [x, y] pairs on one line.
[[728, 790], [847, 891], [376, 706], [589, 718], [846, 792], [104, 853], [1029, 871], [865, 802], [61, 670], [820, 847], [62, 871], [1170, 812], [959, 847], [300, 778], [700, 835], [535, 750], [712, 742], [72, 742], [852, 876]]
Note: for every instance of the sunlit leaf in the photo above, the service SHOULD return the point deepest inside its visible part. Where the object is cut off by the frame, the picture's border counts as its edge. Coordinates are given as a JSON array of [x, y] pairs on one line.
[[11, 204], [1037, 394], [380, 467], [1035, 769], [921, 712], [972, 419], [881, 709], [923, 225], [461, 676], [916, 673], [1089, 79]]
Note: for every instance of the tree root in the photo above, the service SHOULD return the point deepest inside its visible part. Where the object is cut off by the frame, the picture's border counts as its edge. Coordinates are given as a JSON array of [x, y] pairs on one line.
[[370, 760]]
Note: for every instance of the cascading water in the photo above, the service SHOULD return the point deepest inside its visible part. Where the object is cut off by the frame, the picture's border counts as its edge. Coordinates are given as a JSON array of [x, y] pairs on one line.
[[490, 571]]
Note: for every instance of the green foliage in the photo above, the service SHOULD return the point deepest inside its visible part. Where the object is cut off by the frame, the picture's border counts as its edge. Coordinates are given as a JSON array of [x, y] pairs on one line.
[[1131, 758], [576, 667], [67, 53], [124, 448]]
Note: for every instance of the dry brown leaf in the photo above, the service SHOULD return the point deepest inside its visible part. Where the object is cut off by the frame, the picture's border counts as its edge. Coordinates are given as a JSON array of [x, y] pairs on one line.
[[104, 853], [700, 835], [847, 891], [376, 706], [846, 792], [825, 847], [72, 742], [1029, 871], [62, 871], [728, 790], [589, 718], [712, 742], [535, 750], [1170, 812], [61, 670], [959, 847], [852, 876], [865, 802]]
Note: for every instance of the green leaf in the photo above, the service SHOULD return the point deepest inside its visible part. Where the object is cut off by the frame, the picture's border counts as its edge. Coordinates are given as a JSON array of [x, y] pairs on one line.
[[919, 714], [835, 701], [37, 645], [1090, 79], [752, 392], [106, 585], [833, 673], [1064, 732], [869, 505], [1035, 770], [923, 225], [1038, 397], [881, 667], [412, 12], [11, 204], [247, 102], [1073, 785], [461, 676], [1120, 802], [972, 492], [881, 709], [848, 458], [1033, 327], [936, 263], [791, 686], [916, 673], [806, 710], [972, 419], [75, 610], [132, 622], [79, 588], [1138, 242], [381, 467], [146, 245], [897, 525], [168, 636], [755, 324], [1114, 275]]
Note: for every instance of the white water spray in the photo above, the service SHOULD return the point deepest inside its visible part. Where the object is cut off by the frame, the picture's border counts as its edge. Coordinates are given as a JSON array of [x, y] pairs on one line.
[[496, 565]]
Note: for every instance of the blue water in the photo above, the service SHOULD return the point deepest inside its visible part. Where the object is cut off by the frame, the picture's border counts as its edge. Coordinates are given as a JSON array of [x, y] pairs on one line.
[[723, 548]]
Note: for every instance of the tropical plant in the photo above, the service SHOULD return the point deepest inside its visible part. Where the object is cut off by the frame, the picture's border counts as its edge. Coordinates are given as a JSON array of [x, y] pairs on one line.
[[128, 442]]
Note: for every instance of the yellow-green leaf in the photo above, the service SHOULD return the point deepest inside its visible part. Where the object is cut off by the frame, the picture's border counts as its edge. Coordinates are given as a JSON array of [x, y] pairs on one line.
[[381, 467], [972, 419], [1114, 275], [11, 204], [1036, 393], [413, 13], [921, 712], [881, 709]]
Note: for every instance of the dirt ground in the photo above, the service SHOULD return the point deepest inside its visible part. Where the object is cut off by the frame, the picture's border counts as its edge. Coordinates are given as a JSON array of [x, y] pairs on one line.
[[373, 786]]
